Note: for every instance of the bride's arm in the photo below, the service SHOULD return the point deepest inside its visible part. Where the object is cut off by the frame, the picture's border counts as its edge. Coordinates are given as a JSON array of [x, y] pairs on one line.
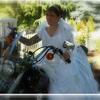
[[31, 41]]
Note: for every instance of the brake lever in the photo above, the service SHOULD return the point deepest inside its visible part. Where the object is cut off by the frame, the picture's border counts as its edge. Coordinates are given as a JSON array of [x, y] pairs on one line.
[[67, 60]]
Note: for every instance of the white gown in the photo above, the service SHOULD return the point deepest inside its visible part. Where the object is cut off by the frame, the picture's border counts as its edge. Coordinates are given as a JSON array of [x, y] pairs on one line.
[[75, 77]]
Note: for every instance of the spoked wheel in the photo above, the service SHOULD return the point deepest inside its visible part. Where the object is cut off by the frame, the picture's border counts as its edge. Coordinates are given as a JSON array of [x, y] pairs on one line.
[[33, 80]]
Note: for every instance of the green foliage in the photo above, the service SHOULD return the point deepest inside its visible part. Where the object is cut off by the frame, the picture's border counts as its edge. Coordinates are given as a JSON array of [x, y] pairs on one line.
[[68, 7], [98, 44], [38, 21], [3, 10], [72, 22], [90, 24], [29, 15], [26, 14], [86, 15], [81, 39], [84, 27]]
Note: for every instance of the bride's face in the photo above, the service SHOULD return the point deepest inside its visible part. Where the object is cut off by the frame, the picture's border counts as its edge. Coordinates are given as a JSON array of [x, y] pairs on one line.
[[52, 18]]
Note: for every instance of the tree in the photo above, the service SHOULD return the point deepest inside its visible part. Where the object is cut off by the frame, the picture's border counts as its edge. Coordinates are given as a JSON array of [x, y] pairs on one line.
[[68, 7], [85, 27], [26, 14]]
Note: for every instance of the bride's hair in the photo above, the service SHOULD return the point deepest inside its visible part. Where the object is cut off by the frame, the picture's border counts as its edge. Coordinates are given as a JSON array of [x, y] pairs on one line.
[[56, 9]]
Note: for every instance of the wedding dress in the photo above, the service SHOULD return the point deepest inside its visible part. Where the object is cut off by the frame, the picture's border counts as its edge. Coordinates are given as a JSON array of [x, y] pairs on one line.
[[74, 77]]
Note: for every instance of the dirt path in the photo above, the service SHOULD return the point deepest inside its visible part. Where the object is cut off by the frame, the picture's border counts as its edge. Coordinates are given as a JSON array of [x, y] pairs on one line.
[[96, 59]]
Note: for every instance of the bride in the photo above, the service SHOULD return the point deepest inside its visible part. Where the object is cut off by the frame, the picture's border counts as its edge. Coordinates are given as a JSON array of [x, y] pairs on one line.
[[74, 77]]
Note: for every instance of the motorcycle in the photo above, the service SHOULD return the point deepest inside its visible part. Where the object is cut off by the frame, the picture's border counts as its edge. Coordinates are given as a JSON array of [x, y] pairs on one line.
[[34, 79], [19, 76], [7, 67], [31, 78]]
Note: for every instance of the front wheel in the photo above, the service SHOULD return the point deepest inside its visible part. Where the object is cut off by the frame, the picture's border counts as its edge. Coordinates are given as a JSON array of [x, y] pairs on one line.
[[34, 80]]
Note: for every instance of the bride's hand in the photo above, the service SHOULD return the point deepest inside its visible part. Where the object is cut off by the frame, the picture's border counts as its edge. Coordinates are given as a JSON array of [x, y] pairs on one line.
[[66, 55]]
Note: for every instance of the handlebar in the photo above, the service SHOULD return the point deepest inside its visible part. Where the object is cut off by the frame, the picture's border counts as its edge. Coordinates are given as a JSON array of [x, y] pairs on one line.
[[45, 49]]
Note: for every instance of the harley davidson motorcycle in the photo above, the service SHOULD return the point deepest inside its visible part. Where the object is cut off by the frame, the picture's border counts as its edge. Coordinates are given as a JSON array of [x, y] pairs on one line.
[[24, 75]]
